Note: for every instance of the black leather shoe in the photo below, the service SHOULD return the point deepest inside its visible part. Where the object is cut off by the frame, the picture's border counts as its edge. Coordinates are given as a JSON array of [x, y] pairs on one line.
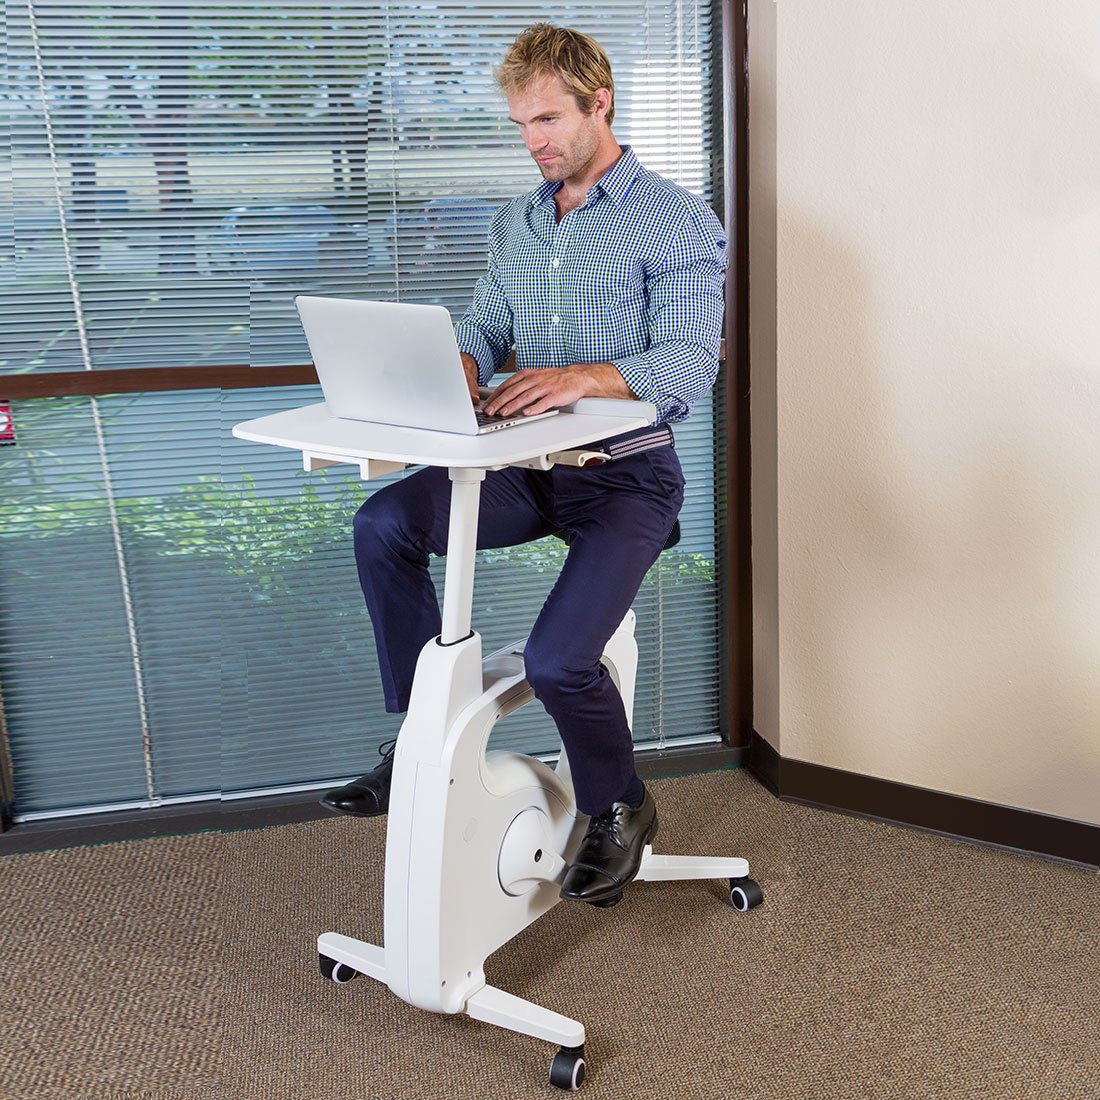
[[369, 795], [610, 854]]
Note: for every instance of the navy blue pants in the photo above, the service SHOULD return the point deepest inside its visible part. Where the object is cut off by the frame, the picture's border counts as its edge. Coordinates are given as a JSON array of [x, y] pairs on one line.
[[618, 516]]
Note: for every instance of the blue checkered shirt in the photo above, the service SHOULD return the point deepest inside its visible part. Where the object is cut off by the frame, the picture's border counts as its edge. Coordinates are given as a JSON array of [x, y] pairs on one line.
[[633, 277]]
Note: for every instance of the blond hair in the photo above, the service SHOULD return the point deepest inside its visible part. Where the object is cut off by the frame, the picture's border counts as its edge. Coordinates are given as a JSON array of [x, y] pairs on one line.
[[577, 58]]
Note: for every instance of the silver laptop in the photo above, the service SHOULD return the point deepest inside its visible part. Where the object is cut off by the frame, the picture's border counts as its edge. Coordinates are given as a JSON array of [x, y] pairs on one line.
[[394, 363]]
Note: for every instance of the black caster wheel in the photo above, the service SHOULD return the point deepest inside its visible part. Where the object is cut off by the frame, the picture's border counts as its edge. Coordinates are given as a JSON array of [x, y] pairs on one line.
[[567, 1068], [745, 894], [337, 971]]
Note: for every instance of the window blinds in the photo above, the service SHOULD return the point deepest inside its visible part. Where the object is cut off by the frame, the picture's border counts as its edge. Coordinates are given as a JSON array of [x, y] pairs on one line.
[[212, 160], [180, 612]]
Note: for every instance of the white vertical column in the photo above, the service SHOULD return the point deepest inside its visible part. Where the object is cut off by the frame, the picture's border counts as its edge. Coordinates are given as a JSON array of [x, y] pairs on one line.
[[458, 584]]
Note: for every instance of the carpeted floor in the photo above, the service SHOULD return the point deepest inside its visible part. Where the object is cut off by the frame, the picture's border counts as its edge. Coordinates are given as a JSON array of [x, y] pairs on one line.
[[884, 963]]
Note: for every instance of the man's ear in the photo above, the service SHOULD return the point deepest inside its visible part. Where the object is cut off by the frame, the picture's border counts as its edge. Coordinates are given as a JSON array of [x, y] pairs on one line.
[[599, 95]]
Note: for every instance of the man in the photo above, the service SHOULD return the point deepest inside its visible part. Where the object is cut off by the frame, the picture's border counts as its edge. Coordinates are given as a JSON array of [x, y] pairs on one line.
[[608, 280]]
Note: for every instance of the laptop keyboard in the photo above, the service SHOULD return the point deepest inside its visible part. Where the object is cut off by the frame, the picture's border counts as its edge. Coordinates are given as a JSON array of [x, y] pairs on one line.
[[485, 418]]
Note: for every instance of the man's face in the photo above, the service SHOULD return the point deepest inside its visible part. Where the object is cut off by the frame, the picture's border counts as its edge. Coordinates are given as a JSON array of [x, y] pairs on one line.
[[557, 134]]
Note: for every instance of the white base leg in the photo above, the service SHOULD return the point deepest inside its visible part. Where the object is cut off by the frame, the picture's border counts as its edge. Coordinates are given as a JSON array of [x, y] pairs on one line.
[[495, 1006], [364, 957], [670, 868], [489, 1004]]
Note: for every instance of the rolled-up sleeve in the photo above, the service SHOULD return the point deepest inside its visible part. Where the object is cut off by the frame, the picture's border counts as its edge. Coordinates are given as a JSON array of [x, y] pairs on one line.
[[485, 330], [686, 298]]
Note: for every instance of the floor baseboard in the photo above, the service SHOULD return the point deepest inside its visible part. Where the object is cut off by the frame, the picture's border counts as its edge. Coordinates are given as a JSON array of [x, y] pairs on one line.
[[987, 823]]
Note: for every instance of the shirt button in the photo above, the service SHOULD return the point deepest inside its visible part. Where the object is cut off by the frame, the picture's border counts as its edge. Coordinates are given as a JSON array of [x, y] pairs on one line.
[[555, 261], [555, 318]]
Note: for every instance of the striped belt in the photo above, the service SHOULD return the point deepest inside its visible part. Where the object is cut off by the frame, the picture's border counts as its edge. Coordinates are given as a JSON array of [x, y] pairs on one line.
[[635, 442]]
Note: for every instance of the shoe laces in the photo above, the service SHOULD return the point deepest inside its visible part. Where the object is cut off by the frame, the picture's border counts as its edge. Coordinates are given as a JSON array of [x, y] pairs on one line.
[[610, 821]]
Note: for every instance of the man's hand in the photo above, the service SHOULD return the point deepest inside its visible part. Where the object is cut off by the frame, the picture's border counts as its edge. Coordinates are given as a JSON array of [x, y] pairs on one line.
[[529, 392], [469, 365]]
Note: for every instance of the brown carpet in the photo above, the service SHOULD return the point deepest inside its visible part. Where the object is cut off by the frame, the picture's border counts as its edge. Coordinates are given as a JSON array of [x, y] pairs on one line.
[[884, 963]]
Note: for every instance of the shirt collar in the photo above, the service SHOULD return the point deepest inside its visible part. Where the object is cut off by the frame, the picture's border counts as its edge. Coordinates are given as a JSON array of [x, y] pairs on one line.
[[614, 183]]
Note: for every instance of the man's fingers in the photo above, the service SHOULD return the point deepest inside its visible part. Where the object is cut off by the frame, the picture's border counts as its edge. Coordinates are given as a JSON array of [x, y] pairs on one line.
[[509, 392], [515, 380], [542, 406], [519, 402], [540, 403], [504, 408], [530, 391]]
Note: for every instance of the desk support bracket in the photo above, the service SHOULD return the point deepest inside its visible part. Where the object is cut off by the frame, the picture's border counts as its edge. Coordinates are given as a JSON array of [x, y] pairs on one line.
[[368, 467]]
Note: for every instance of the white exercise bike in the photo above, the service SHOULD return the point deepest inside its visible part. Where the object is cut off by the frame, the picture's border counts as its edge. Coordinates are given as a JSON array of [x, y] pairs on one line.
[[477, 842]]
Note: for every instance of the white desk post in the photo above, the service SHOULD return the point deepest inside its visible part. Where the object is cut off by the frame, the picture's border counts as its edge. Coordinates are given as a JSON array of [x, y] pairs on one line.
[[458, 584], [477, 842]]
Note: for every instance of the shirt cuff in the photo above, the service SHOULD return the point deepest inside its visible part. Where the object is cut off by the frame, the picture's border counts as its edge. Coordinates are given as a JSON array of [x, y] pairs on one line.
[[636, 374], [473, 343]]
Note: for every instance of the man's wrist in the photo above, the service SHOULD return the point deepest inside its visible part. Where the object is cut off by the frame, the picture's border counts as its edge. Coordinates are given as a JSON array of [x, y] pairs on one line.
[[602, 380], [480, 353]]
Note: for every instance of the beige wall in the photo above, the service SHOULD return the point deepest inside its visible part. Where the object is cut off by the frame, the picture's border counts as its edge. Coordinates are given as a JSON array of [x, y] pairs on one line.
[[925, 311]]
